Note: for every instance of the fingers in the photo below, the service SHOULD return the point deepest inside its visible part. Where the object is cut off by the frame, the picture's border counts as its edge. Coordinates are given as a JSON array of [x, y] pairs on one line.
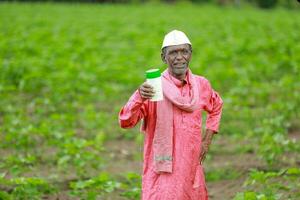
[[202, 154], [146, 95], [202, 158], [146, 91], [146, 85]]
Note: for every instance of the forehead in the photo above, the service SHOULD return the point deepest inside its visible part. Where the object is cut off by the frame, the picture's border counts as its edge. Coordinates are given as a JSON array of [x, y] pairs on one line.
[[178, 47]]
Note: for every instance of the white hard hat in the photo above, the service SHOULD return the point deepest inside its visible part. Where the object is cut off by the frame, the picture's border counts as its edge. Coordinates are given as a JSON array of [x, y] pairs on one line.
[[175, 37]]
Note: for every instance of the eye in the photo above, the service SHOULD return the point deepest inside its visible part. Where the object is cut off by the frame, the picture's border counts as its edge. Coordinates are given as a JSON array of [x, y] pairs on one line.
[[185, 51], [172, 53]]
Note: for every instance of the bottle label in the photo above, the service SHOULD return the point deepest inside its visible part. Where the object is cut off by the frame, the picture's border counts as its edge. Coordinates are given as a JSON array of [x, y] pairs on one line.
[[157, 86]]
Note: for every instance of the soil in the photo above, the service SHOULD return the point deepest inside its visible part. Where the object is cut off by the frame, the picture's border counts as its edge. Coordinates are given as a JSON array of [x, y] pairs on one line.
[[127, 156], [123, 156]]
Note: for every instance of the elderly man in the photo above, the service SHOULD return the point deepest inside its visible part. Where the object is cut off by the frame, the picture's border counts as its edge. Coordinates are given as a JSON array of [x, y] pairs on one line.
[[174, 148]]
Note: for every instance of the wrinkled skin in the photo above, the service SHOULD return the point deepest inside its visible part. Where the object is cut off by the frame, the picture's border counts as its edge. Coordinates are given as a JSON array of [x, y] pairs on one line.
[[177, 58]]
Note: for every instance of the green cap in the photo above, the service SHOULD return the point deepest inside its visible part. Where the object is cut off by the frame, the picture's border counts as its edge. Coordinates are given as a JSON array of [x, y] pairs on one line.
[[152, 73]]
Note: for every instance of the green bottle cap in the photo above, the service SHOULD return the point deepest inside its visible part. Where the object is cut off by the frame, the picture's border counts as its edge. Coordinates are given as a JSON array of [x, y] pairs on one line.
[[152, 73]]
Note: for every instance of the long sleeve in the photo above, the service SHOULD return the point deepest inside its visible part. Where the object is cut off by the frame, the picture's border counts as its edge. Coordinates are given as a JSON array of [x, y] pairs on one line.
[[213, 107], [133, 111]]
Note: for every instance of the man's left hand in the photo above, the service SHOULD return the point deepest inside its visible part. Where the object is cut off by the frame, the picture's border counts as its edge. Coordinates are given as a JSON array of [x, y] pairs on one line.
[[206, 141], [203, 151]]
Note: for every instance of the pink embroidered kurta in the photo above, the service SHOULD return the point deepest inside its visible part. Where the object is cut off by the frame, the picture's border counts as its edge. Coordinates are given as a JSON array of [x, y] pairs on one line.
[[187, 181]]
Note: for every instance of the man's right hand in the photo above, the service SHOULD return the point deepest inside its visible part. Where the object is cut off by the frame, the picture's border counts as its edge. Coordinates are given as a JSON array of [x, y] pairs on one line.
[[146, 91]]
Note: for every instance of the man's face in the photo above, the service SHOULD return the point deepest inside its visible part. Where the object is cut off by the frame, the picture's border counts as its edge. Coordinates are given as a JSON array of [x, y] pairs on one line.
[[177, 58]]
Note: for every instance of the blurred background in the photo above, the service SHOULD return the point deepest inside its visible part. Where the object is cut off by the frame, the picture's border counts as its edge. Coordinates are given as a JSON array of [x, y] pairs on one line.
[[67, 68]]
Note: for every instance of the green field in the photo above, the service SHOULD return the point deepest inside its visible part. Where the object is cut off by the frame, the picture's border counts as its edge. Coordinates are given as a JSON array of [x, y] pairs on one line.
[[67, 69]]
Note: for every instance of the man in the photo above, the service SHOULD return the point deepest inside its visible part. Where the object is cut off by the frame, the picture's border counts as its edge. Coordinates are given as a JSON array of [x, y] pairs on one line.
[[174, 148]]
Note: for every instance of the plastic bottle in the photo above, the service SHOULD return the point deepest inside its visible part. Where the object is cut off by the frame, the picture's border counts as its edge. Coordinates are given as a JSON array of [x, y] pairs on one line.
[[153, 77]]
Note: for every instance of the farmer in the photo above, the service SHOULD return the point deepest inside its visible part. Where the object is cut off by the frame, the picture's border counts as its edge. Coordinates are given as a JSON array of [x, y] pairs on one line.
[[174, 149]]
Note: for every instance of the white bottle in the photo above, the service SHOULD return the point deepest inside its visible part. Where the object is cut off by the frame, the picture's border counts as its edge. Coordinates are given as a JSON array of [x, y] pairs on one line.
[[153, 77]]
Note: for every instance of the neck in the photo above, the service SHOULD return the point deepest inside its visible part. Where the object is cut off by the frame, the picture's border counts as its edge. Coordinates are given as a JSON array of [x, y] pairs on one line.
[[179, 77]]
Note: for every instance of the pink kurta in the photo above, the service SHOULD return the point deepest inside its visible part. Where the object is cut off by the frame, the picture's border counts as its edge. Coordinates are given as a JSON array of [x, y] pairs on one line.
[[187, 181]]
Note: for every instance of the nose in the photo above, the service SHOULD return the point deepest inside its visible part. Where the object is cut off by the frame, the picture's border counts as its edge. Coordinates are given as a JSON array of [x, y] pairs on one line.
[[179, 56]]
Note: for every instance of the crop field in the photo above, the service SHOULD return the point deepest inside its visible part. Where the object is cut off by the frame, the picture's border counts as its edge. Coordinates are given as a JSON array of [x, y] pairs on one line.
[[67, 69]]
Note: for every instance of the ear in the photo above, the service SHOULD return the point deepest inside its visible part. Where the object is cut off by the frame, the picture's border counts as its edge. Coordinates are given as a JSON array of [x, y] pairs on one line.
[[190, 58], [163, 57]]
